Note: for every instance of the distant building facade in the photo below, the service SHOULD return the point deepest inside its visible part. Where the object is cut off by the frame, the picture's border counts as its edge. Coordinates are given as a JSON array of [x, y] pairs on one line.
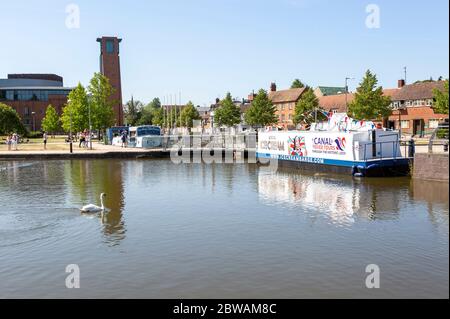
[[285, 102], [413, 110], [412, 107], [31, 94]]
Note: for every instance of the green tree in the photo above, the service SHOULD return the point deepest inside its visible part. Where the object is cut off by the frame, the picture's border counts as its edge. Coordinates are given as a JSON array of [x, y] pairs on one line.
[[369, 102], [262, 111], [441, 99], [158, 117], [75, 114], [228, 113], [155, 103], [306, 108], [10, 121], [149, 111], [51, 123], [297, 84], [188, 115], [133, 111], [100, 92]]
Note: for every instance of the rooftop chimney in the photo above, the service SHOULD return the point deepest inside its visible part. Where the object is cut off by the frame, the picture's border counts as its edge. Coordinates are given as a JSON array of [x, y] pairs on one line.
[[273, 87], [401, 83]]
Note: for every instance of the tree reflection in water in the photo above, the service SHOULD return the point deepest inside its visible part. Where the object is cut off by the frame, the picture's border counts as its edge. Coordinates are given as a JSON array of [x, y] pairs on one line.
[[88, 179]]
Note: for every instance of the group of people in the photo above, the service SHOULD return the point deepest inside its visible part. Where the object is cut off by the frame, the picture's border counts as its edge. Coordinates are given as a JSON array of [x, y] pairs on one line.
[[84, 139], [12, 140]]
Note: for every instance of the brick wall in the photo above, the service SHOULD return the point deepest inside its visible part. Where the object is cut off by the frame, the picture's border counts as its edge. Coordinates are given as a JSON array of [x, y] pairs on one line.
[[431, 167]]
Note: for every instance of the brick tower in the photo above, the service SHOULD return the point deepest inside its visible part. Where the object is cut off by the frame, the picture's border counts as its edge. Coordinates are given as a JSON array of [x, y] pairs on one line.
[[110, 67]]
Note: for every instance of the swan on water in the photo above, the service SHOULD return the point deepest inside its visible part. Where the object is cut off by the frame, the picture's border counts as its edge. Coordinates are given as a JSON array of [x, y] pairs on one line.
[[94, 208]]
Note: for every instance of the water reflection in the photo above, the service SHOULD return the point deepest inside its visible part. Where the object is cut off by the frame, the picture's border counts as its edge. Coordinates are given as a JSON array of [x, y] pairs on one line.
[[88, 179], [341, 199], [435, 196]]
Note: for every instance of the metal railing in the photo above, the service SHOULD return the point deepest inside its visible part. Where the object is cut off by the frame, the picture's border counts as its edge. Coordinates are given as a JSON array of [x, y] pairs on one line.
[[225, 141], [378, 148], [440, 136]]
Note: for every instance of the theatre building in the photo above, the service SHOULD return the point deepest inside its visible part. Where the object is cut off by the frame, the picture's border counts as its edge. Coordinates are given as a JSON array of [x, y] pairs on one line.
[[30, 95]]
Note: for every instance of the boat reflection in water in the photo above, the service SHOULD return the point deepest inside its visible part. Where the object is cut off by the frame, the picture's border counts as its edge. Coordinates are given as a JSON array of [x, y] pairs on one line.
[[342, 200]]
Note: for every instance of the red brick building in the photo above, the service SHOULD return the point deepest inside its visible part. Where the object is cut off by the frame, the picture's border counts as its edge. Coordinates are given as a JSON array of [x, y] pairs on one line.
[[31, 94], [412, 105], [413, 108], [285, 102], [110, 67]]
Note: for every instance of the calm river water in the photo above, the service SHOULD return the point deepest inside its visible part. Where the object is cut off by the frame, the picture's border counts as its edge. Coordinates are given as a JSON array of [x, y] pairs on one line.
[[217, 231]]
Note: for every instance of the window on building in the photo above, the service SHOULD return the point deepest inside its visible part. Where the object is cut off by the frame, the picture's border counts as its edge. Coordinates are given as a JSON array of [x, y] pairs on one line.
[[290, 117], [110, 46], [433, 123], [405, 124], [408, 103], [430, 102]]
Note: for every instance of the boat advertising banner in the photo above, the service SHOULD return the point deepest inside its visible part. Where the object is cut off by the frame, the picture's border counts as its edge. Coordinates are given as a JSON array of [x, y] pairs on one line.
[[306, 146]]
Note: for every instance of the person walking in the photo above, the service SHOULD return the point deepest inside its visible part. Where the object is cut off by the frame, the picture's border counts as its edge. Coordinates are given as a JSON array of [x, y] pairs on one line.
[[45, 140], [9, 141], [124, 138], [15, 141], [82, 139]]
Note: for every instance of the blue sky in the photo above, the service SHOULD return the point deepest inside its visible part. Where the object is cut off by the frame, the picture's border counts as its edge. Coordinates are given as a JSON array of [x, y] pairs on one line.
[[205, 48]]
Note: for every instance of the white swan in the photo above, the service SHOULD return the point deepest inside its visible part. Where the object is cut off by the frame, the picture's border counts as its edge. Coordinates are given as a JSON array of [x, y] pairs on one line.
[[94, 208]]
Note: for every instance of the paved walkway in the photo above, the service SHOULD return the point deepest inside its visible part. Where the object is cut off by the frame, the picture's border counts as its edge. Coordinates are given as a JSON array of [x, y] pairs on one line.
[[99, 150]]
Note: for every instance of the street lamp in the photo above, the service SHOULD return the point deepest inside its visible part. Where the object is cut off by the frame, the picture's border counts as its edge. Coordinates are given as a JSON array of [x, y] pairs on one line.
[[346, 93], [90, 127], [70, 127], [33, 115]]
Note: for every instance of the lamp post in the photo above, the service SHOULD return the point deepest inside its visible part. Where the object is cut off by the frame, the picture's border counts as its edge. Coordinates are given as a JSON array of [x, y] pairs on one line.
[[70, 127], [33, 115], [346, 93], [90, 127]]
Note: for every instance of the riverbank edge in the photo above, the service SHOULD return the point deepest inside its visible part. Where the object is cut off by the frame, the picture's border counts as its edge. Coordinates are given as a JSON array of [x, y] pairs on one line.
[[157, 154], [431, 167]]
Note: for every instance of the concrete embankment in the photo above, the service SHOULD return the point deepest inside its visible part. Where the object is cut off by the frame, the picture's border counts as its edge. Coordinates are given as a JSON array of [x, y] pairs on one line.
[[433, 167], [95, 154], [118, 153]]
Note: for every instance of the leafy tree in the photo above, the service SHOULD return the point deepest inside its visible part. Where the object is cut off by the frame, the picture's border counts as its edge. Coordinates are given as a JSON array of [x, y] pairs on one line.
[[10, 121], [188, 115], [306, 108], [158, 117], [133, 111], [297, 84], [102, 112], [50, 122], [441, 99], [228, 113], [149, 111], [155, 103], [262, 111], [369, 102], [76, 113]]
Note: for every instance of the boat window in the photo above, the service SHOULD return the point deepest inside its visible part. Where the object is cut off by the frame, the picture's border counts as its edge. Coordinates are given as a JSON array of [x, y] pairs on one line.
[[142, 131]]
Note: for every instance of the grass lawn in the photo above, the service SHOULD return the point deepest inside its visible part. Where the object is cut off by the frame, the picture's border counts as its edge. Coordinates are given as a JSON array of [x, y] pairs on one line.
[[36, 144]]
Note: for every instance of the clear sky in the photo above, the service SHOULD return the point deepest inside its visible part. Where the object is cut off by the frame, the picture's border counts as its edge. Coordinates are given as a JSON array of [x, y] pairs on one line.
[[204, 48]]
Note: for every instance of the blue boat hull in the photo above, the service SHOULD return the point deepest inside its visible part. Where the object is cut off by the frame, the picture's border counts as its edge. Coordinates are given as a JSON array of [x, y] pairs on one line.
[[372, 168]]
